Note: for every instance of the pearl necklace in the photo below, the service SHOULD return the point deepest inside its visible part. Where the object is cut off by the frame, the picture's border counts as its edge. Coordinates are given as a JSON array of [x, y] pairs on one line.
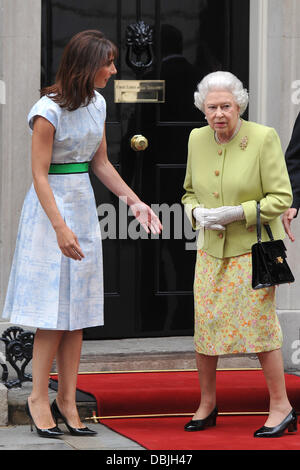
[[238, 126]]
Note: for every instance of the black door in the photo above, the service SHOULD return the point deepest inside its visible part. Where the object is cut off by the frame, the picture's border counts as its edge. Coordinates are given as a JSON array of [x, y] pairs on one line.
[[148, 280]]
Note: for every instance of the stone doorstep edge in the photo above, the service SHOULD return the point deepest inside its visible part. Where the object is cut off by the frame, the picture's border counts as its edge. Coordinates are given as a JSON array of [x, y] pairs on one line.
[[3, 405], [18, 416]]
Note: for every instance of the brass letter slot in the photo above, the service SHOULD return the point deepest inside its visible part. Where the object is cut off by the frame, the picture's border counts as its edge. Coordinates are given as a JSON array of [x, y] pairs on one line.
[[139, 91]]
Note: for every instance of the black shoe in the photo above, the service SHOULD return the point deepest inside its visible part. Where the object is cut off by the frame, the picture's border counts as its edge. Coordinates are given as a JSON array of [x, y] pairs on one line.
[[200, 424], [74, 431], [289, 423], [50, 432]]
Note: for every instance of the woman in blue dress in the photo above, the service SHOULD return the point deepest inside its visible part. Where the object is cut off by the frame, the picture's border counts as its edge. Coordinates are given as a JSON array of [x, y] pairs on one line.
[[56, 281]]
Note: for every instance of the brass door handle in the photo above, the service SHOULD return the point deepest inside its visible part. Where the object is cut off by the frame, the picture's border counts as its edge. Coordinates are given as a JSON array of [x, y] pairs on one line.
[[138, 142]]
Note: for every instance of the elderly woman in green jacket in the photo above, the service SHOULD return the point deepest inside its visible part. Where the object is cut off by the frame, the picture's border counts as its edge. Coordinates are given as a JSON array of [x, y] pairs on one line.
[[232, 164]]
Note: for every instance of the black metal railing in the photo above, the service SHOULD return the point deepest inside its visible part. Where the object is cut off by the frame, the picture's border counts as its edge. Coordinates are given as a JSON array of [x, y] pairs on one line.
[[18, 352]]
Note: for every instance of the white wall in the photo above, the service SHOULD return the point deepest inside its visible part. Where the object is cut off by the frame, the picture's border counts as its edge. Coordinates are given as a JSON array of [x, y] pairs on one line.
[[274, 101], [20, 25]]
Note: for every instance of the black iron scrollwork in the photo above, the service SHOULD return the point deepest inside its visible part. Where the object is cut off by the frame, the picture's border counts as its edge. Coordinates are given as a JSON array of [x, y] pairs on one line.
[[139, 41], [18, 349], [4, 371]]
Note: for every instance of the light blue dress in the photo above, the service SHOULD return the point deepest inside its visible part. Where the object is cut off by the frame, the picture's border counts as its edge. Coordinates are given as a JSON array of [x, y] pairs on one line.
[[47, 289]]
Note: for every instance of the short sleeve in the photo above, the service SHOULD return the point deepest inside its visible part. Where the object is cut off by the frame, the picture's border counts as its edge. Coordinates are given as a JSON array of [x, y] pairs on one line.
[[100, 104], [46, 108]]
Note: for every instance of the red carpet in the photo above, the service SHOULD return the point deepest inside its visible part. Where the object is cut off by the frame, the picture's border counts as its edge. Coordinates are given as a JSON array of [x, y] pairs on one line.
[[231, 433], [133, 394]]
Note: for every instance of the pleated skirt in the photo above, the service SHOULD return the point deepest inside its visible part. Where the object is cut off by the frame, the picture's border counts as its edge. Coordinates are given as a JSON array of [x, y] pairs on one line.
[[47, 289]]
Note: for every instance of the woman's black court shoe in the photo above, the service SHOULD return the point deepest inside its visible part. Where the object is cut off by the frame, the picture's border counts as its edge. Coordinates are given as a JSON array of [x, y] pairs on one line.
[[200, 424], [289, 423], [50, 432], [74, 431]]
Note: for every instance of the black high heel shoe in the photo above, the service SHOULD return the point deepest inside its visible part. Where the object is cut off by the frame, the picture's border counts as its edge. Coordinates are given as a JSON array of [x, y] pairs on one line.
[[289, 423], [74, 431], [200, 424], [50, 432]]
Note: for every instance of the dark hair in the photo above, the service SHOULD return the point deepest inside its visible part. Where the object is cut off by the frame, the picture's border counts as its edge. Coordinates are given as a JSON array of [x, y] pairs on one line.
[[82, 57]]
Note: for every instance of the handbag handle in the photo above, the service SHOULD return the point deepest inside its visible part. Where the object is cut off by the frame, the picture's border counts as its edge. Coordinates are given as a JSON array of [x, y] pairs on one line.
[[258, 226]]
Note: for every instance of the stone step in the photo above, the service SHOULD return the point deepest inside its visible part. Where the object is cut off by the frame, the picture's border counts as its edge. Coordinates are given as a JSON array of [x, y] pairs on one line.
[[150, 354], [123, 354]]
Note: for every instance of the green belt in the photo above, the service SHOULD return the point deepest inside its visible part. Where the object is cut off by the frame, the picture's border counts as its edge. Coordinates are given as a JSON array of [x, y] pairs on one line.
[[65, 168]]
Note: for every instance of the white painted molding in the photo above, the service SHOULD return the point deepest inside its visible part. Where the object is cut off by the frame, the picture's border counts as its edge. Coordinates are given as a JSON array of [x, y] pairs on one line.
[[258, 61], [20, 39]]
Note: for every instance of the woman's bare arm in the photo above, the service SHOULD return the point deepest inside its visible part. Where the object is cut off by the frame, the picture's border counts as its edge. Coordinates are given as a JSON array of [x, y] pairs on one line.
[[108, 175], [42, 144]]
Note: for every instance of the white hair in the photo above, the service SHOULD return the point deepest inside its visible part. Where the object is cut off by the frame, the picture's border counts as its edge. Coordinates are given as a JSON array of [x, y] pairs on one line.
[[221, 81]]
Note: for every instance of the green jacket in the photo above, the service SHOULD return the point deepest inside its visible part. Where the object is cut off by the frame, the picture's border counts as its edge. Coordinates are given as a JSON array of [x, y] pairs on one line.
[[249, 168]]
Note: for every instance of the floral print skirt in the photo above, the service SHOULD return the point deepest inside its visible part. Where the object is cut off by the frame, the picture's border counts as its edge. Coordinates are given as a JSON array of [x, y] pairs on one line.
[[231, 317]]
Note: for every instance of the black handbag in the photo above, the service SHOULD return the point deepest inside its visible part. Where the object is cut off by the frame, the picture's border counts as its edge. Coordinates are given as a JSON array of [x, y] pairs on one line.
[[269, 266]]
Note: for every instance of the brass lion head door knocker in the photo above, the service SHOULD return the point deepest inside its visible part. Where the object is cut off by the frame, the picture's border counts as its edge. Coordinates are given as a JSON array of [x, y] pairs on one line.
[[139, 42]]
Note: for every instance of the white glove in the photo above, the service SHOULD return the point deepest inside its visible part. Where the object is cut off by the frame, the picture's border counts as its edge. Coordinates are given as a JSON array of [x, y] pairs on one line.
[[215, 219], [201, 216], [225, 215]]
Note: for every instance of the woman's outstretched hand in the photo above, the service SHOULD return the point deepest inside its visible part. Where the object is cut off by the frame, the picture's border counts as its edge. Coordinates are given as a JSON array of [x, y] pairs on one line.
[[287, 219], [146, 217], [68, 243]]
